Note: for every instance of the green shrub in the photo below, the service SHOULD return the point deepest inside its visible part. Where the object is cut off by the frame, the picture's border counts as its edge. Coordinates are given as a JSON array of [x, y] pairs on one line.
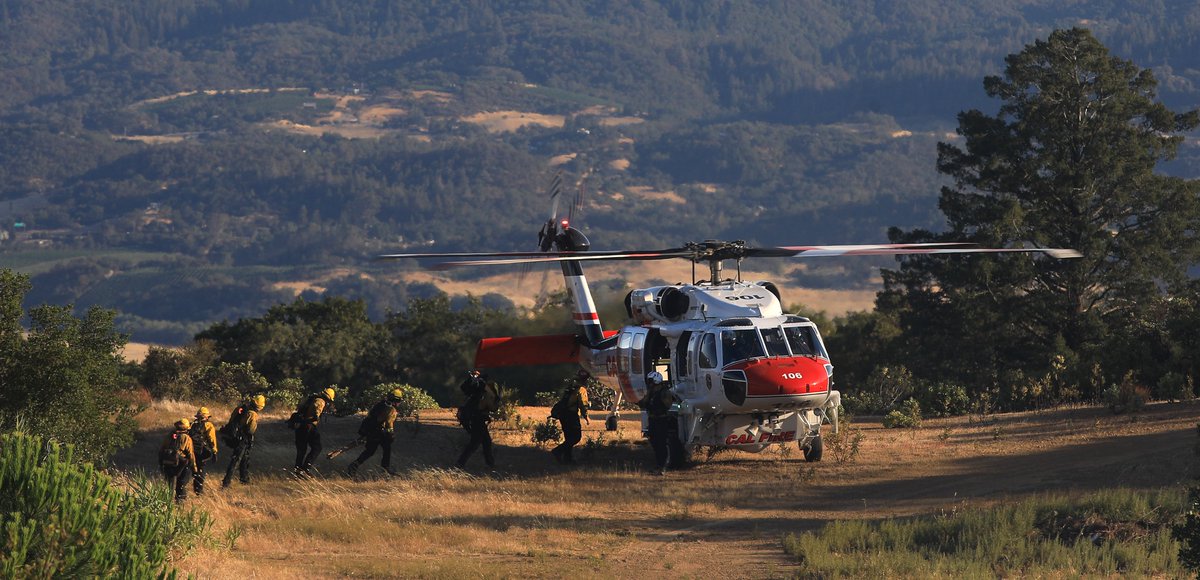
[[61, 518], [509, 401], [908, 415], [547, 432], [230, 383], [885, 387], [1127, 397], [1175, 387], [944, 400], [412, 401], [545, 398], [844, 445]]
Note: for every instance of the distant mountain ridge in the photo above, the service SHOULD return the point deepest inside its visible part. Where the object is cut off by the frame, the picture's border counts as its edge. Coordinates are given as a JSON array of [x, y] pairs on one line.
[[264, 139]]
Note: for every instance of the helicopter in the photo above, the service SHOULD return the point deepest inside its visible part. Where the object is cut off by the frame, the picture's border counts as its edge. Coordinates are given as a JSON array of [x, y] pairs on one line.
[[746, 374]]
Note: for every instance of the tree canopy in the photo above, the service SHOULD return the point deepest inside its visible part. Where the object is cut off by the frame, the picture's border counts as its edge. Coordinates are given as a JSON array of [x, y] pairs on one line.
[[1068, 161]]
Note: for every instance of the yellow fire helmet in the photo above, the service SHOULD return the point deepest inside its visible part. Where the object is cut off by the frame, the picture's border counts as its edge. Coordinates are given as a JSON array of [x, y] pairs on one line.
[[397, 394], [329, 394], [259, 401], [203, 413], [183, 424]]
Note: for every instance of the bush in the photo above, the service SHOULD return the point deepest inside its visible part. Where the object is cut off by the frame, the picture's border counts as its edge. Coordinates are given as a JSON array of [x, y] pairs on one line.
[[545, 398], [547, 432], [60, 518], [508, 403], [944, 400], [908, 415], [412, 401], [885, 387], [1127, 397], [1175, 387], [230, 383], [844, 445]]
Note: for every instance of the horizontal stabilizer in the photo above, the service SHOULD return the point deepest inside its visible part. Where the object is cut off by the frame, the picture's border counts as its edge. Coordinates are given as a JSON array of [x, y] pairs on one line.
[[514, 351]]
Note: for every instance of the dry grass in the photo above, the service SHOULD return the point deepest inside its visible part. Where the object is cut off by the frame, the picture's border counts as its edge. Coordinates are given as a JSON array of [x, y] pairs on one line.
[[509, 121], [608, 517]]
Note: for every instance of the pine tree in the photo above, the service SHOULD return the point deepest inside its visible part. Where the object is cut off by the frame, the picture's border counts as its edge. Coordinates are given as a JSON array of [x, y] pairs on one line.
[[1068, 161]]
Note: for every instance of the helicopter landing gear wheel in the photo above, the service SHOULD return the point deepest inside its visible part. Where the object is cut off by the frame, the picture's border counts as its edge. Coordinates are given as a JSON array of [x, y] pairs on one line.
[[813, 450]]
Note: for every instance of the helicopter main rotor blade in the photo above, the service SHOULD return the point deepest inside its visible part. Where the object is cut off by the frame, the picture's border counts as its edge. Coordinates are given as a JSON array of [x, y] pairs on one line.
[[922, 248], [716, 251], [547, 256], [565, 257]]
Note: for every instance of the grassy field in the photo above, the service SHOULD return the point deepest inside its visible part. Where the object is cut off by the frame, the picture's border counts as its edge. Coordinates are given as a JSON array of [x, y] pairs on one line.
[[732, 515]]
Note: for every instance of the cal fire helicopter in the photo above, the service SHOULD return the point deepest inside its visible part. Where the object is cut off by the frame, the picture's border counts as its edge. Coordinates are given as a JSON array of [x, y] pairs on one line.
[[747, 374]]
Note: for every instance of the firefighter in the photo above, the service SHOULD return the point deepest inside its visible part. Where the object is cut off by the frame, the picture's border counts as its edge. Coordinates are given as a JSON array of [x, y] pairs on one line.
[[308, 437], [378, 429], [204, 439], [177, 457], [240, 430], [475, 414], [663, 424], [570, 408]]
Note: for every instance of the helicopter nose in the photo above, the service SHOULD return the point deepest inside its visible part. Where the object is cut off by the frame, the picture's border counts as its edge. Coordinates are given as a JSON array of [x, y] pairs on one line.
[[783, 376]]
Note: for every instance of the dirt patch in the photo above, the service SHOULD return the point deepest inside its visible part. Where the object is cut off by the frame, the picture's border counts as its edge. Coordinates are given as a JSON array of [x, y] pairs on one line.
[[618, 121], [436, 96], [647, 192], [151, 139], [380, 114], [316, 284], [562, 159], [619, 164], [508, 121], [348, 131]]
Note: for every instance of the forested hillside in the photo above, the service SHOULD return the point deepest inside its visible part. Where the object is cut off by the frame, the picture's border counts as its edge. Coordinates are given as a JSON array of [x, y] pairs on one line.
[[180, 159]]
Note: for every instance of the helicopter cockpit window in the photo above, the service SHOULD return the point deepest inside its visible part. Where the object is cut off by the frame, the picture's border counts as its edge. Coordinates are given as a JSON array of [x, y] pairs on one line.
[[776, 343], [708, 351], [804, 341], [740, 345]]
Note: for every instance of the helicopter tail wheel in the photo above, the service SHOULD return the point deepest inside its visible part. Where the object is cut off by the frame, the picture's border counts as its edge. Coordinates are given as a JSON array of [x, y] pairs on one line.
[[813, 449]]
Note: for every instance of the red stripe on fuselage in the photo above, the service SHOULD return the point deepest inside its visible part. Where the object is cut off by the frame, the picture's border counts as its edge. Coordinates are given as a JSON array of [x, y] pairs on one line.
[[586, 316]]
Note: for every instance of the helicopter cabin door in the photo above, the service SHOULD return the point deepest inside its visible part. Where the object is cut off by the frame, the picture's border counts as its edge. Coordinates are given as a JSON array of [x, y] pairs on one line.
[[639, 351]]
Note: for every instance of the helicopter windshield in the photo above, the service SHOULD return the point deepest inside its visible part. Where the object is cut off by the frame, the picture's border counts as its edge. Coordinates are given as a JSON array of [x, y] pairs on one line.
[[740, 345], [804, 342], [775, 341]]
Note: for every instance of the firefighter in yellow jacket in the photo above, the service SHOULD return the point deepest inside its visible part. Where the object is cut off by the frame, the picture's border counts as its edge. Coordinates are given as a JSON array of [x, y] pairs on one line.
[[378, 429], [204, 439], [572, 407], [177, 457], [243, 424], [308, 437]]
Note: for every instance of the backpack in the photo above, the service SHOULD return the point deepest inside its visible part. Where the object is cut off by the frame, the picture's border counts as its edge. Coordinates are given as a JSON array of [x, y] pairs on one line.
[[200, 439], [231, 432], [489, 400], [561, 409], [172, 455], [373, 422], [295, 421]]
